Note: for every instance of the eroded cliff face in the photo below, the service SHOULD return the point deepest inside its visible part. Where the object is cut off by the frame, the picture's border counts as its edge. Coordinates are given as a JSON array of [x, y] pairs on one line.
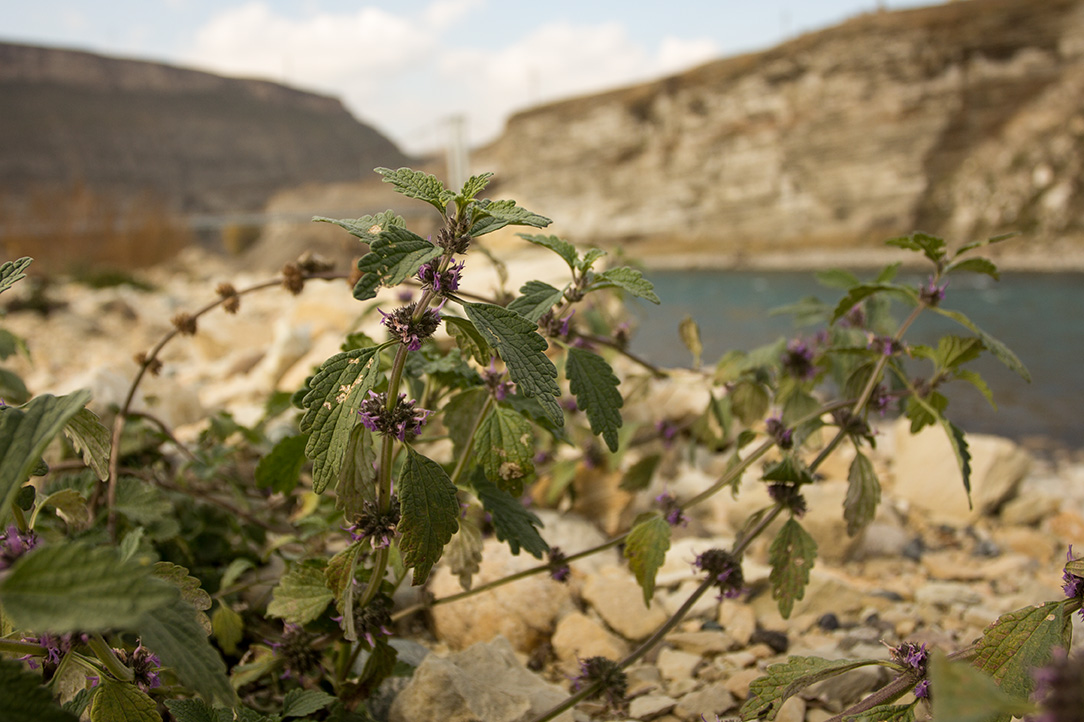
[[963, 119]]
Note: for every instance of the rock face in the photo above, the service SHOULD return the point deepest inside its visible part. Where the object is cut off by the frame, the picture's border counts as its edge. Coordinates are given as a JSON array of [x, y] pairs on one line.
[[963, 119]]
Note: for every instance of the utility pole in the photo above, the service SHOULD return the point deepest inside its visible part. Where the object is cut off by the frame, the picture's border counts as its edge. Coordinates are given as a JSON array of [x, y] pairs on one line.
[[458, 169]]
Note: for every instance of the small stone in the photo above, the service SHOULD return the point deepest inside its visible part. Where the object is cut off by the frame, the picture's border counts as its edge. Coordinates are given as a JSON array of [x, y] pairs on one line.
[[577, 636], [738, 684], [618, 599], [674, 664], [1068, 527], [708, 701], [793, 710], [738, 619], [776, 641], [702, 643], [945, 594], [913, 550], [650, 706], [644, 678], [828, 622], [952, 565]]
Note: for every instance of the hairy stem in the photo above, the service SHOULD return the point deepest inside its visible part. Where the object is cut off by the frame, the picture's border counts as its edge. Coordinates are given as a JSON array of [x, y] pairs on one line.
[[108, 659]]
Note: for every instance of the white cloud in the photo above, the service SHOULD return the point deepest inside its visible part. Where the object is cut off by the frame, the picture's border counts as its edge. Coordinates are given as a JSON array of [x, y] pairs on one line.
[[676, 54]]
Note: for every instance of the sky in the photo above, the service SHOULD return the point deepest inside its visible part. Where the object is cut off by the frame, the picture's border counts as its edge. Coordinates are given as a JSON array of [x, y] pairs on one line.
[[408, 67]]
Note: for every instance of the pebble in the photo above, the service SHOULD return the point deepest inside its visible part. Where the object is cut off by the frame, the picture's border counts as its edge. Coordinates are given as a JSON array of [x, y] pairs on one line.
[[650, 706]]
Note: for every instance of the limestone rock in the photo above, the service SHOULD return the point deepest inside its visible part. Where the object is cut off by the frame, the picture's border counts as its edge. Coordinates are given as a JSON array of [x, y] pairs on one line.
[[578, 636], [650, 706], [618, 599], [708, 701]]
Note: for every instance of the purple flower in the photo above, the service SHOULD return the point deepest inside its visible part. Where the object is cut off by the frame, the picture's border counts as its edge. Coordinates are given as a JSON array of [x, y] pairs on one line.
[[797, 360], [611, 680], [671, 509], [559, 569], [496, 382], [400, 421], [411, 331], [378, 528], [724, 570], [144, 664], [885, 345], [299, 657], [930, 293], [15, 543], [916, 657], [782, 435], [55, 647], [446, 281], [855, 318], [667, 430], [1059, 688], [790, 496], [1073, 586], [880, 399]]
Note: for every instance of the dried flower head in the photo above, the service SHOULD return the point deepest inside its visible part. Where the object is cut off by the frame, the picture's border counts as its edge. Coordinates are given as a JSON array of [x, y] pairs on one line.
[[154, 366], [784, 437], [559, 569], [671, 510], [293, 280], [411, 331], [185, 323], [454, 238], [373, 621], [231, 302], [724, 570], [612, 682], [401, 421], [790, 496], [797, 361], [14, 543], [375, 526], [295, 648]]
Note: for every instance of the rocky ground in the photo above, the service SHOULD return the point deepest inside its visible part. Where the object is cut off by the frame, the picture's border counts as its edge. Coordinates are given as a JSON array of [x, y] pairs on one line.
[[928, 569]]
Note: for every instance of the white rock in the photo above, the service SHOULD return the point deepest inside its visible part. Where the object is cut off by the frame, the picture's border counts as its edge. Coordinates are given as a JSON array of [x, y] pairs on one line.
[[618, 599], [675, 664], [578, 636], [650, 705]]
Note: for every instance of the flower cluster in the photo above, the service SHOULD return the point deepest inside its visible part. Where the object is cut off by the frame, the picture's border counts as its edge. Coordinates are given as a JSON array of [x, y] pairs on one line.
[[797, 360], [930, 293], [299, 657], [671, 509], [454, 239], [916, 658], [401, 421], [1059, 688], [15, 543], [498, 385], [55, 647], [613, 684], [376, 526], [555, 326], [374, 620], [724, 570], [884, 345], [778, 431], [559, 569], [855, 318], [411, 331], [144, 664], [1072, 585], [439, 281], [790, 496]]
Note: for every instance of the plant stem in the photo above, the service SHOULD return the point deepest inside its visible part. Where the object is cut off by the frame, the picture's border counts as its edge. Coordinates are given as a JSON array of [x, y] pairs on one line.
[[105, 654]]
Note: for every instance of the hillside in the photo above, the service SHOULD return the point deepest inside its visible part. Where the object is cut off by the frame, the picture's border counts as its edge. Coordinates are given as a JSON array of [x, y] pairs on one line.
[[963, 119]]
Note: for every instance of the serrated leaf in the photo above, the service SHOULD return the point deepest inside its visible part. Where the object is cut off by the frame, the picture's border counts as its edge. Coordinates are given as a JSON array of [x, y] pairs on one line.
[[645, 548], [973, 378], [689, 331], [71, 505], [300, 702], [463, 554], [461, 415], [357, 475], [74, 587], [189, 586], [394, 255], [468, 339], [837, 278], [130, 544], [987, 242], [789, 469], [280, 469], [1021, 641], [191, 710], [504, 446], [490, 216], [594, 384], [367, 228], [638, 476], [335, 395], [475, 185], [122, 702], [523, 351], [791, 556], [24, 434], [92, 440], [228, 628], [749, 400], [931, 246], [11, 272], [782, 681], [24, 699], [960, 450], [863, 494], [302, 594], [512, 522], [962, 693], [341, 568], [627, 279], [1000, 351], [925, 412], [537, 298], [174, 634], [885, 713], [141, 502], [416, 184], [429, 513], [975, 265], [860, 293], [953, 351], [561, 247]]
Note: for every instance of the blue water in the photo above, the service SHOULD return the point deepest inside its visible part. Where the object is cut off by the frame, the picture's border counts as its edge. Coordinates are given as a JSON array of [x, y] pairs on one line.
[[1039, 316]]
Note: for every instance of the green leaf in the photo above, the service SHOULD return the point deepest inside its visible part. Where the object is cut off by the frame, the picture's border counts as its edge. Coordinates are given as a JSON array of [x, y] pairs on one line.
[[782, 681], [537, 298], [975, 265], [594, 384], [12, 387], [24, 699], [24, 434], [341, 570], [645, 548], [791, 555], [931, 246], [512, 522], [357, 475], [11, 272], [302, 594], [429, 513], [300, 702], [490, 216], [280, 470], [191, 710], [463, 554], [977, 381], [627, 279], [175, 635], [91, 439], [749, 401], [1000, 351], [960, 450], [561, 247], [925, 412], [415, 184], [70, 503], [475, 185], [504, 446], [788, 469], [638, 476], [690, 336], [988, 242], [142, 503], [1021, 641], [468, 339], [394, 255], [962, 693], [122, 702], [863, 494], [860, 293], [523, 351], [367, 228], [189, 586], [837, 278], [885, 713], [332, 403], [75, 587], [460, 415], [953, 351], [228, 628]]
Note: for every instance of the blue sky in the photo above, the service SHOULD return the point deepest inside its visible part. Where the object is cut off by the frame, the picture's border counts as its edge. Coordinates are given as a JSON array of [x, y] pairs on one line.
[[406, 66]]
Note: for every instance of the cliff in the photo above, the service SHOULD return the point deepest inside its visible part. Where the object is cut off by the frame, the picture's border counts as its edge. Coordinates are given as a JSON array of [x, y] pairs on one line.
[[963, 119]]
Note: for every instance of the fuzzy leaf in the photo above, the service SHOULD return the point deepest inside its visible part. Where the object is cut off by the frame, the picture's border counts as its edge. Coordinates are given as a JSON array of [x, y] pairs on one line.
[[24, 434], [357, 475], [931, 246], [645, 548], [174, 634], [429, 513], [11, 272], [512, 522], [460, 414], [416, 184], [91, 439], [782, 681], [504, 446], [863, 494], [523, 351], [537, 298], [860, 293], [189, 587], [341, 568], [561, 247], [468, 339], [885, 713], [594, 384], [978, 382], [837, 278], [490, 216], [961, 693], [749, 400], [589, 257], [228, 628], [367, 228], [71, 505], [301, 702], [463, 554], [12, 387], [24, 699], [627, 279], [192, 710], [395, 255], [788, 469], [332, 402], [953, 351], [960, 450], [638, 476], [122, 702], [475, 185], [72, 587], [791, 555], [1021, 641], [280, 470], [1000, 351], [302, 594]]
